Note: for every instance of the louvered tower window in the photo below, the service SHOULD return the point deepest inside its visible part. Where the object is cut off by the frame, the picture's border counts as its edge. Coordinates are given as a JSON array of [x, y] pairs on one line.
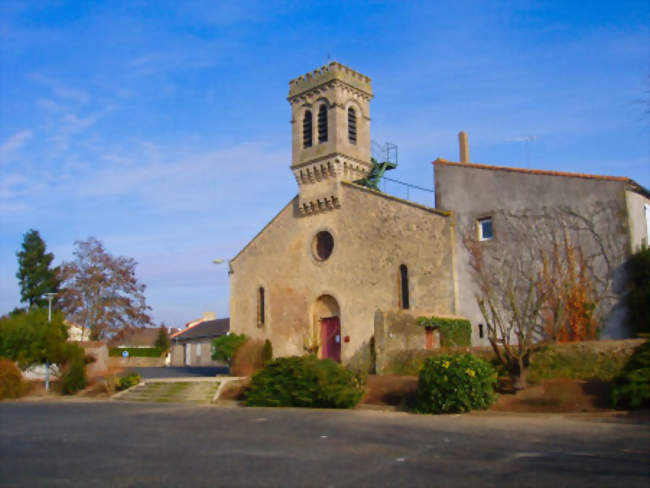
[[306, 130], [352, 126], [322, 124]]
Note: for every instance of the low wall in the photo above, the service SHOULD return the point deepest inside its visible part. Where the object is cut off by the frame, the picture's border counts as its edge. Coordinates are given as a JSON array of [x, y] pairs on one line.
[[135, 362], [99, 351], [398, 330], [400, 339]]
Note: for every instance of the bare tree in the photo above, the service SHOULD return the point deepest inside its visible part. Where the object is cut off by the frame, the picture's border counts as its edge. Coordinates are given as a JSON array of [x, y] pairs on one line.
[[101, 291], [548, 274]]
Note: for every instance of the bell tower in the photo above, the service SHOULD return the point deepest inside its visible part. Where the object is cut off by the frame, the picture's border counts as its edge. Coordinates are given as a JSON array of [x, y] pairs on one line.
[[330, 127]]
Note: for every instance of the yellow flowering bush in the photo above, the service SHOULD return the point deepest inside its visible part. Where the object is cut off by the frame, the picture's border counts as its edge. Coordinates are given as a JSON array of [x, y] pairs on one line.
[[455, 384]]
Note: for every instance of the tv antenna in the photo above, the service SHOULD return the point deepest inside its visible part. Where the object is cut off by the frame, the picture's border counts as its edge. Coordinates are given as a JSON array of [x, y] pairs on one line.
[[525, 140]]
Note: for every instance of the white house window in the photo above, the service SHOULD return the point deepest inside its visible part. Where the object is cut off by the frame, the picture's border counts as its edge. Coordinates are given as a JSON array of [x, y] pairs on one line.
[[485, 231]]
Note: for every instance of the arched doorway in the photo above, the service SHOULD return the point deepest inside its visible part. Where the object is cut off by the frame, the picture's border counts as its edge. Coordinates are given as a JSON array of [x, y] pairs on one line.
[[326, 317]]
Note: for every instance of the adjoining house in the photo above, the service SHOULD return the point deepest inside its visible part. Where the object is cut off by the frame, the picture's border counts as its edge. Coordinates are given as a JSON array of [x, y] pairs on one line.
[[77, 332], [612, 211], [136, 338], [326, 271], [192, 346]]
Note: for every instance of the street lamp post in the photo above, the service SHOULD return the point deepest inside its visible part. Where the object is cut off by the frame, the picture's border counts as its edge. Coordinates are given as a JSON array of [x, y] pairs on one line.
[[218, 261], [50, 296]]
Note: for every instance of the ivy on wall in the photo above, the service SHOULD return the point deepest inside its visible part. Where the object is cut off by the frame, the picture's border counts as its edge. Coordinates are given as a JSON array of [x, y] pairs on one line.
[[453, 332]]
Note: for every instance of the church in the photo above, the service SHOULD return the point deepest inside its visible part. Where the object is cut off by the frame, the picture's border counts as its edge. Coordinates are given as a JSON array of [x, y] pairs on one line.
[[320, 274]]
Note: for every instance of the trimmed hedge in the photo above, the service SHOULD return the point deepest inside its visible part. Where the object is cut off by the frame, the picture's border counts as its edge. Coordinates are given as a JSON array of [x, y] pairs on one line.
[[304, 381], [140, 352], [574, 362], [453, 332], [632, 387], [455, 384]]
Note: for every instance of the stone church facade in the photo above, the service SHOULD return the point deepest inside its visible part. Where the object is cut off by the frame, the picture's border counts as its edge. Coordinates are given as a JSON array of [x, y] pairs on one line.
[[341, 259], [338, 252]]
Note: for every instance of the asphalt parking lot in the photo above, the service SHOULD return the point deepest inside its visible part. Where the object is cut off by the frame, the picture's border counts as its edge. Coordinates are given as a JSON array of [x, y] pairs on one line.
[[174, 372], [128, 444]]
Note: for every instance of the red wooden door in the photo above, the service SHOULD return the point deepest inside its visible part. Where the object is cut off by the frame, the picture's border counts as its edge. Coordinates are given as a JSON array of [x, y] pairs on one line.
[[330, 338]]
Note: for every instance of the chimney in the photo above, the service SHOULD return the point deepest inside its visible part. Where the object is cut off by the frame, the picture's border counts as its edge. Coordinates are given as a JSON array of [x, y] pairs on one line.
[[464, 147], [209, 316]]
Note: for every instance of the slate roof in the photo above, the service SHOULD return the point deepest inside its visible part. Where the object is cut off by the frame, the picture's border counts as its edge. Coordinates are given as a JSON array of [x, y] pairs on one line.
[[208, 328], [143, 337]]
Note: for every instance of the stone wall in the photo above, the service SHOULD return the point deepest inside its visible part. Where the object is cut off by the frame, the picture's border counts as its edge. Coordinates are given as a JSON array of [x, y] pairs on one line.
[[99, 351], [398, 331]]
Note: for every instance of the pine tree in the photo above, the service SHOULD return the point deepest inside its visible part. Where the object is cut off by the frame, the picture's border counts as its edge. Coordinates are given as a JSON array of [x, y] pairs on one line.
[[34, 274]]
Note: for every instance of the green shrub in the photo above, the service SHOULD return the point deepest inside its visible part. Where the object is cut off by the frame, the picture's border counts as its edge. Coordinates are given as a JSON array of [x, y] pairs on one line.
[[139, 352], [453, 332], [631, 389], [267, 352], [27, 337], [162, 340], [126, 382], [455, 384], [304, 381], [637, 298], [74, 377], [11, 380], [225, 347], [574, 362]]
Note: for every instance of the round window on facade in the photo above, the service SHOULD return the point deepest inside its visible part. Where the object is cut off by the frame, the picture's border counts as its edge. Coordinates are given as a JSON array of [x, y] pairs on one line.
[[323, 245]]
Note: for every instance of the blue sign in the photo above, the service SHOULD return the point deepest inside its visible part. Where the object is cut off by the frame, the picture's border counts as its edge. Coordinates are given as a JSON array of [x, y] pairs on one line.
[[125, 354]]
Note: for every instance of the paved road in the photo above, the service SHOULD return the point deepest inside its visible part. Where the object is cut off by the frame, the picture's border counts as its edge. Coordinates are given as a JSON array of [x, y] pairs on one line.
[[155, 373], [149, 445]]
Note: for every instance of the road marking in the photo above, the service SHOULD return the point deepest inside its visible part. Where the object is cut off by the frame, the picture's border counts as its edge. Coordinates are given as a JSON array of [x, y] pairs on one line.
[[527, 455]]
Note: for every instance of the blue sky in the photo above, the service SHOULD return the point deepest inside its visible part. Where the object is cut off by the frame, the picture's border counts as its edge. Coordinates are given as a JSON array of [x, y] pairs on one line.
[[162, 128]]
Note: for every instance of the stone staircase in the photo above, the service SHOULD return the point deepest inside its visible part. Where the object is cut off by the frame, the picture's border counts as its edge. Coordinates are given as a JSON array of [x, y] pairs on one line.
[[171, 392]]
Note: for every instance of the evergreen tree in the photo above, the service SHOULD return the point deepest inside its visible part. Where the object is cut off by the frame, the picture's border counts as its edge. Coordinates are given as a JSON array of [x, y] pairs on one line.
[[34, 274], [162, 340]]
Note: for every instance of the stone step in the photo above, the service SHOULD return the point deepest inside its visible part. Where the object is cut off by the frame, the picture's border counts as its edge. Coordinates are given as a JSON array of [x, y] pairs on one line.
[[172, 391]]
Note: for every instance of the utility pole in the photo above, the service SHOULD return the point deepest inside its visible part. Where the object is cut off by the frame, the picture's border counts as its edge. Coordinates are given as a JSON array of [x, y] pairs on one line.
[[50, 296]]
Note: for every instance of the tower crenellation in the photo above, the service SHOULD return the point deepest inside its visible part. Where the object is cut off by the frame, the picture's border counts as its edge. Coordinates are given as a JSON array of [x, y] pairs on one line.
[[330, 123]]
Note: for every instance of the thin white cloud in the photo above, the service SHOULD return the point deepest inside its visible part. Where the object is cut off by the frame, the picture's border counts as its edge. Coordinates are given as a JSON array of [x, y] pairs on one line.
[[51, 105], [14, 144], [60, 89]]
